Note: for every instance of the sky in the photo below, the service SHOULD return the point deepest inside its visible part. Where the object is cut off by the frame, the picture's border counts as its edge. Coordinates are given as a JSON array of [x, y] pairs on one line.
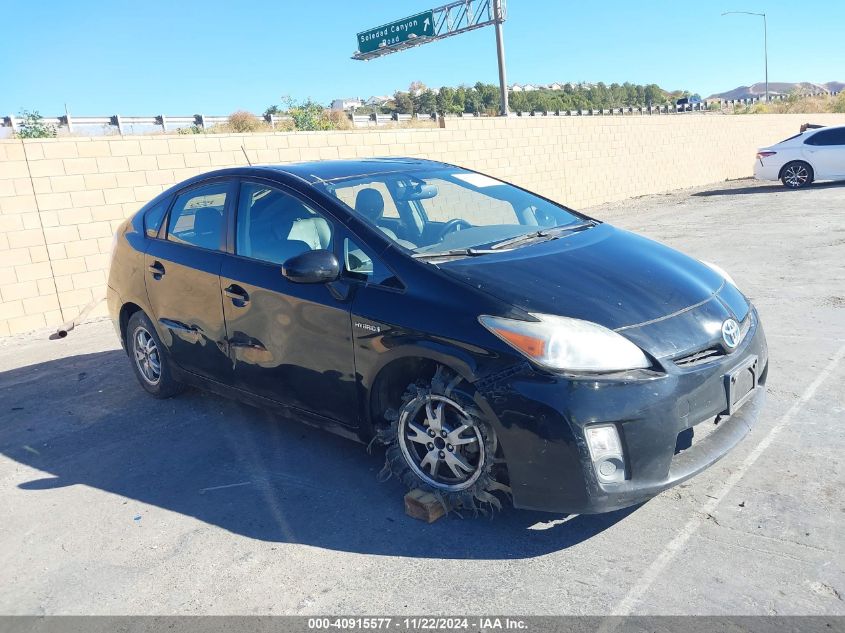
[[214, 57]]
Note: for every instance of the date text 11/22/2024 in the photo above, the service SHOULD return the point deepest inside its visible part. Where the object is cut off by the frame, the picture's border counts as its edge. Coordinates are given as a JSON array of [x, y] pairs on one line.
[[419, 623]]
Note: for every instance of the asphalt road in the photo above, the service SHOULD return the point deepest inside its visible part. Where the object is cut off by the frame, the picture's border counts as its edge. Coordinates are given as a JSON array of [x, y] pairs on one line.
[[112, 502]]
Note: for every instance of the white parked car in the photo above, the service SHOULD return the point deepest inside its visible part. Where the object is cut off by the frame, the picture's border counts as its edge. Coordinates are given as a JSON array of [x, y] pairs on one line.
[[816, 154]]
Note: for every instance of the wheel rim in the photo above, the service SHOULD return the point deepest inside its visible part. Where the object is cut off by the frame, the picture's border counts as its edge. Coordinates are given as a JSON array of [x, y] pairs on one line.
[[796, 175], [440, 443], [147, 356]]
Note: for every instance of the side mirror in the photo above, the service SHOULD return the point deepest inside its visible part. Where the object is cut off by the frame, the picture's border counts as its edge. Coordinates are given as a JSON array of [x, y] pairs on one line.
[[312, 267]]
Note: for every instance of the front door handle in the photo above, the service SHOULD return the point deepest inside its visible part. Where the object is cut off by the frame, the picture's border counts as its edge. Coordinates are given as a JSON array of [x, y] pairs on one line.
[[237, 294], [156, 269]]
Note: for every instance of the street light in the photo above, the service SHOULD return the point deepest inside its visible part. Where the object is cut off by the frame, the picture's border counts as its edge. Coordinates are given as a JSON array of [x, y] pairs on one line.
[[765, 43]]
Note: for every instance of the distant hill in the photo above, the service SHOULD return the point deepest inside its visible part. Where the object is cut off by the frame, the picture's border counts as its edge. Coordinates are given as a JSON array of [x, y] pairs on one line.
[[779, 88]]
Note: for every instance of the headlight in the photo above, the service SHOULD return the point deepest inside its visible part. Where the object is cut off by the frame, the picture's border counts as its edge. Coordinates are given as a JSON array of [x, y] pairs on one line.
[[567, 344], [721, 271]]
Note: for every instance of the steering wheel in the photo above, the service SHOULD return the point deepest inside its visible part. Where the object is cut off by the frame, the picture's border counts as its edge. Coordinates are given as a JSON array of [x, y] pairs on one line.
[[455, 224]]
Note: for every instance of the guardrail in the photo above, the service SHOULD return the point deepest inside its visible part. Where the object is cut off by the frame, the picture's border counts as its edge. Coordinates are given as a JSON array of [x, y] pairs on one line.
[[166, 123], [127, 124]]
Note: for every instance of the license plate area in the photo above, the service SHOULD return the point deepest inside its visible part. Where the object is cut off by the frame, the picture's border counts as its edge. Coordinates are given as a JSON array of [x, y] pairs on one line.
[[740, 384]]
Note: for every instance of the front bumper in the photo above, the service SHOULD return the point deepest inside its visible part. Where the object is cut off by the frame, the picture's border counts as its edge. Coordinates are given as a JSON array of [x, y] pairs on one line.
[[541, 419]]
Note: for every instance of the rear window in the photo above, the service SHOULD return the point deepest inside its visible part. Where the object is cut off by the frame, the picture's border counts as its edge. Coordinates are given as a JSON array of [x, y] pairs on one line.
[[790, 138]]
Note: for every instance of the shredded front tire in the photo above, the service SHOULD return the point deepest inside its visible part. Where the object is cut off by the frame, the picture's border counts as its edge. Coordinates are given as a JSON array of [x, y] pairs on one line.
[[438, 441]]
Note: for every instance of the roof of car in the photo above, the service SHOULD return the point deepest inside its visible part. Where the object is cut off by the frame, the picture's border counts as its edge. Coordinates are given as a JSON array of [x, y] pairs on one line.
[[327, 170]]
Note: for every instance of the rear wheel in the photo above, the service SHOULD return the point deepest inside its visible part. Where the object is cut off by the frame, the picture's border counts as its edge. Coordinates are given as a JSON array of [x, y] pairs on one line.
[[439, 442], [796, 174], [149, 360]]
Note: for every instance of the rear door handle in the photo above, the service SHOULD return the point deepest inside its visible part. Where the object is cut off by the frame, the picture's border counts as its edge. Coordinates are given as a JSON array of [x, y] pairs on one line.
[[156, 270], [237, 294]]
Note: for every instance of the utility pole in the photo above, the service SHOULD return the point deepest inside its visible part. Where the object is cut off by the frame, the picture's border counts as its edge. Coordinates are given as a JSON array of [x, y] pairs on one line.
[[765, 43], [766, 54], [500, 50]]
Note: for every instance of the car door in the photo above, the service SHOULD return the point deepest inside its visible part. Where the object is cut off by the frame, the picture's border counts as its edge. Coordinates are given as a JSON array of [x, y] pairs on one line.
[[289, 342], [826, 152], [182, 278]]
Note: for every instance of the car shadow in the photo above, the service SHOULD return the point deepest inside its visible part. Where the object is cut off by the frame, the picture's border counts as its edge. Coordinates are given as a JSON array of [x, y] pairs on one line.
[[85, 421], [763, 188]]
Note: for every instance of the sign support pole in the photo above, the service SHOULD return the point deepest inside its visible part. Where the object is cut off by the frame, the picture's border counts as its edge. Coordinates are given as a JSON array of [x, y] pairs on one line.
[[500, 51]]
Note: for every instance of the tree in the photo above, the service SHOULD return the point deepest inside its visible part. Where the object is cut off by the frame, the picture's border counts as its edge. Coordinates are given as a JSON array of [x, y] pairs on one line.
[[518, 102], [426, 101], [403, 103], [654, 95], [447, 102], [488, 95], [472, 101], [416, 87], [459, 101]]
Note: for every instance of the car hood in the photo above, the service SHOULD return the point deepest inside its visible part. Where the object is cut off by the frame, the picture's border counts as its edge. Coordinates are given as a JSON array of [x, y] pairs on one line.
[[603, 274]]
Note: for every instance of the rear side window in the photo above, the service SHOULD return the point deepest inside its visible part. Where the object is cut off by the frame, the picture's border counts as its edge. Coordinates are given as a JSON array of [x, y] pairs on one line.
[[154, 216], [197, 217], [827, 137]]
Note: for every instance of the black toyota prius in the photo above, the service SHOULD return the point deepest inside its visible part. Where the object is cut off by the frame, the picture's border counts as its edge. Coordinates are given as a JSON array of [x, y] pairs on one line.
[[499, 345]]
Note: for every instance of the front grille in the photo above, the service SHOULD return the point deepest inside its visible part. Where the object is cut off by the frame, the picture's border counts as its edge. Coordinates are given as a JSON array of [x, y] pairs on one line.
[[699, 357], [716, 351]]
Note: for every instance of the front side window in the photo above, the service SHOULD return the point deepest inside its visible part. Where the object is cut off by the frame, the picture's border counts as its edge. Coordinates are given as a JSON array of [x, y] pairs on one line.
[[274, 226], [197, 217], [457, 209], [359, 264]]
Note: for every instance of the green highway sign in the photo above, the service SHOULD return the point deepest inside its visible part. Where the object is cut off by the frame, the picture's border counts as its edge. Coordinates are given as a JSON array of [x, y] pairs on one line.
[[420, 25]]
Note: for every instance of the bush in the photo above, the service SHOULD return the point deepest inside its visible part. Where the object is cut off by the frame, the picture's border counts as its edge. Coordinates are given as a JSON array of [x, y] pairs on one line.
[[33, 126], [310, 116], [243, 121], [796, 104], [193, 129], [239, 122]]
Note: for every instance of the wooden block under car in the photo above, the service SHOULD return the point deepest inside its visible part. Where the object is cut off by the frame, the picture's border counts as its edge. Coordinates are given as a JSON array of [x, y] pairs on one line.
[[423, 505]]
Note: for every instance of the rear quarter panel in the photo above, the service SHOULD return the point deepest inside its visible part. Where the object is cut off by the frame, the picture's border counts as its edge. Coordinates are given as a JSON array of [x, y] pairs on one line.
[[126, 273]]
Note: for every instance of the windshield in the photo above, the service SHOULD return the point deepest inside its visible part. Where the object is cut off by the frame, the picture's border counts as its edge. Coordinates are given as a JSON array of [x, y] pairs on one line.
[[448, 210]]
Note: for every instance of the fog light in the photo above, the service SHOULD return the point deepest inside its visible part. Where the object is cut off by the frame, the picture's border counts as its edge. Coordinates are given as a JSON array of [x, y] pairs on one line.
[[607, 468], [606, 452]]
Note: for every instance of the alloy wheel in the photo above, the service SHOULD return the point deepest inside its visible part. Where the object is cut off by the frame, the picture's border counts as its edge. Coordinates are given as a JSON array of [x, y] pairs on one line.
[[147, 356], [440, 443], [796, 175]]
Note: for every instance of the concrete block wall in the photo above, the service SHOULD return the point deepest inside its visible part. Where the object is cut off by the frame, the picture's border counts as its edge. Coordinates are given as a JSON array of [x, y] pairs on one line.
[[62, 199]]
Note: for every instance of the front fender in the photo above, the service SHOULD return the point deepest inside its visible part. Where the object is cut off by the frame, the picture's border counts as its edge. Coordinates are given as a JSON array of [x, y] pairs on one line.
[[380, 352]]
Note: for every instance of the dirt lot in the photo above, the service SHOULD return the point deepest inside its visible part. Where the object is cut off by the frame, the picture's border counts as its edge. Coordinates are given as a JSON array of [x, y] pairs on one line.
[[113, 502]]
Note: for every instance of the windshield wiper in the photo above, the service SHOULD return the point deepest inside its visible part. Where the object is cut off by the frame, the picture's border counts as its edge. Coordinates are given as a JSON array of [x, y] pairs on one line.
[[551, 233], [458, 252]]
